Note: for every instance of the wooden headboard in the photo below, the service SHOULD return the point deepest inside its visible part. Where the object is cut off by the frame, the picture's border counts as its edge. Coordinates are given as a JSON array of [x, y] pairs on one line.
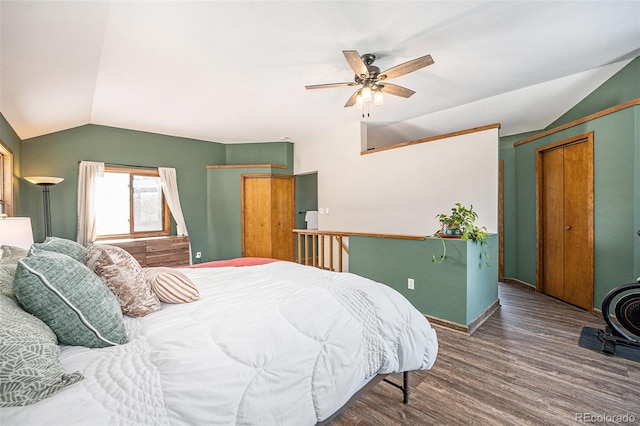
[[159, 251]]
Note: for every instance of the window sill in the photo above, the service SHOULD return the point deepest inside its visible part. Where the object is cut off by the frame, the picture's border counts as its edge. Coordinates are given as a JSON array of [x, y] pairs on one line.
[[134, 239]]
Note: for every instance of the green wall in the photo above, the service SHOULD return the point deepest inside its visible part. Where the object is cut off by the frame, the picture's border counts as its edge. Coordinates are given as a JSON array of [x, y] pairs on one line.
[[457, 290], [224, 208], [58, 154], [622, 87], [507, 157], [614, 201], [280, 153], [306, 197], [616, 180]]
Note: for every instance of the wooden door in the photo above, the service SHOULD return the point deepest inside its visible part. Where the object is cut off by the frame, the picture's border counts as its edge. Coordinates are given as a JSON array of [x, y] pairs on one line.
[[268, 216], [566, 198], [256, 216], [283, 218], [553, 222]]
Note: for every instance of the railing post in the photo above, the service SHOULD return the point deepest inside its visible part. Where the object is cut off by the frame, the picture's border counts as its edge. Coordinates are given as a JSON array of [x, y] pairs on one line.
[[314, 241], [331, 252], [306, 249], [340, 253]]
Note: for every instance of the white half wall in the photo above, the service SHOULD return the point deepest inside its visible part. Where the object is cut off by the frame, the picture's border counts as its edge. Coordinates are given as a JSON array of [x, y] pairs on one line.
[[401, 190]]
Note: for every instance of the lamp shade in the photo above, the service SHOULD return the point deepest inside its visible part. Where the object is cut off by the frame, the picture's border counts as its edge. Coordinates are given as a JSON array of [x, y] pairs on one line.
[[43, 180], [16, 231]]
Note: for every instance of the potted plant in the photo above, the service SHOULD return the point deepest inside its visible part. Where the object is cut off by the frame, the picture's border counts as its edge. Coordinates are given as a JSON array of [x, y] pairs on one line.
[[460, 223]]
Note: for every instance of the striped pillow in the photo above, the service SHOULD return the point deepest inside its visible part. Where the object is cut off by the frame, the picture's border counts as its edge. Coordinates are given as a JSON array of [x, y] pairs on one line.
[[171, 285]]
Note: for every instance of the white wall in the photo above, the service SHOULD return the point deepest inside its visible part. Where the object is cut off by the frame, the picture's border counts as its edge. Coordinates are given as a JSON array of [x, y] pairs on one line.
[[400, 191]]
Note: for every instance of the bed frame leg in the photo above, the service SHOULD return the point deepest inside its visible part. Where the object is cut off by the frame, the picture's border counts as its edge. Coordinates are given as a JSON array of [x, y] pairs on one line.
[[406, 390]]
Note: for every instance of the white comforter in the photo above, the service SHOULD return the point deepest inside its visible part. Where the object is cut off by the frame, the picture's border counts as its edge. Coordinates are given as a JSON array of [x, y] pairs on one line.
[[275, 344]]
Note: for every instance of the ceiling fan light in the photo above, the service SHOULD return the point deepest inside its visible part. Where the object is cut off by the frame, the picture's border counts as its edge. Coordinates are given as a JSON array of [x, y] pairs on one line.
[[359, 101], [366, 94], [378, 98]]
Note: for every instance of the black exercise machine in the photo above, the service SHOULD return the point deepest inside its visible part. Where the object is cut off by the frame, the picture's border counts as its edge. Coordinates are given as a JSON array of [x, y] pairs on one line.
[[623, 328]]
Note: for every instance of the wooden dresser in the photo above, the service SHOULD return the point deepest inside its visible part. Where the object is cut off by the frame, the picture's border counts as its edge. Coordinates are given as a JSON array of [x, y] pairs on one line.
[[158, 251]]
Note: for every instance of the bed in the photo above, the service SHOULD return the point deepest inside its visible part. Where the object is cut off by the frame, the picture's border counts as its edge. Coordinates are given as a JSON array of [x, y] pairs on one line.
[[268, 343]]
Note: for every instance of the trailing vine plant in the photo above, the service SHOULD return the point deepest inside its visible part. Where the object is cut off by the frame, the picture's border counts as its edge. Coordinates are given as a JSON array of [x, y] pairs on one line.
[[460, 223]]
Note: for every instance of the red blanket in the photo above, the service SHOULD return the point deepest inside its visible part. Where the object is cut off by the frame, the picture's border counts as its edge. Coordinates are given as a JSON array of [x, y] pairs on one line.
[[240, 261]]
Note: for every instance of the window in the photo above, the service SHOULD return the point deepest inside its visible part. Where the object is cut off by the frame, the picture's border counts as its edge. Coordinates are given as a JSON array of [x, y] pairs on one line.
[[6, 180], [130, 203]]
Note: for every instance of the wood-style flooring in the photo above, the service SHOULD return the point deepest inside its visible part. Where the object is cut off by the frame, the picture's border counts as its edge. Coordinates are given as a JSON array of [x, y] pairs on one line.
[[523, 366]]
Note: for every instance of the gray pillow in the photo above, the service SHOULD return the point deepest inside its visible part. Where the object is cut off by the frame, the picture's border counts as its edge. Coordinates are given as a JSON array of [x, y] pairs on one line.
[[8, 264], [69, 298], [30, 369], [7, 274], [64, 246], [11, 254]]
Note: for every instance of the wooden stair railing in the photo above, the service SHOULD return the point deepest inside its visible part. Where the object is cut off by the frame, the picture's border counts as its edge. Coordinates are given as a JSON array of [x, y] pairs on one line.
[[316, 248]]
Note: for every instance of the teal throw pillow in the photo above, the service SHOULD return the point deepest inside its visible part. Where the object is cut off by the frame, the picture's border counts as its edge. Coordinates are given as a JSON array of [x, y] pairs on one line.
[[69, 298], [64, 246]]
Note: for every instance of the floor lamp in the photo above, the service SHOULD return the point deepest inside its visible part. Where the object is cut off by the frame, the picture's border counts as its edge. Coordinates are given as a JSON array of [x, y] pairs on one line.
[[45, 182]]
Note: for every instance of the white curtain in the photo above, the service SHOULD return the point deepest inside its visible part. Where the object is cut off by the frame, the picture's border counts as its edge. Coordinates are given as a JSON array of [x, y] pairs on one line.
[[170, 189], [89, 172]]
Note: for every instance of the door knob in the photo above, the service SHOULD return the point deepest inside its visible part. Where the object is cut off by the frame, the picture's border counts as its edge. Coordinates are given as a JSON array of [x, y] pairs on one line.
[[568, 227], [638, 232]]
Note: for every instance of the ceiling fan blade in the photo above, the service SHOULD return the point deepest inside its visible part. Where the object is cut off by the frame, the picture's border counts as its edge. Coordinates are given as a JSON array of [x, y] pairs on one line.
[[352, 99], [330, 85], [355, 62], [406, 68], [394, 89]]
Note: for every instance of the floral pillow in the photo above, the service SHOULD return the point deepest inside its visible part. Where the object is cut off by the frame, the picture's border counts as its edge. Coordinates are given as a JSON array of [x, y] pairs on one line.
[[11, 254], [8, 265], [30, 368], [123, 275]]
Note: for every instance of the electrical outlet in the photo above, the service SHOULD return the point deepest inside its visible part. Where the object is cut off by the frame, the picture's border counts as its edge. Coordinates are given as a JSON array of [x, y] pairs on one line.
[[198, 254], [410, 284]]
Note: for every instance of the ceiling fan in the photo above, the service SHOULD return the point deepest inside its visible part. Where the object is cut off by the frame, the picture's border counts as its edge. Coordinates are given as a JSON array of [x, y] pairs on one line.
[[373, 82]]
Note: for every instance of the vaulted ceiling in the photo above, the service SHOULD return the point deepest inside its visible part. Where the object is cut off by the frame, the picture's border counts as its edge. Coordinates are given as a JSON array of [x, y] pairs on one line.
[[235, 71]]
